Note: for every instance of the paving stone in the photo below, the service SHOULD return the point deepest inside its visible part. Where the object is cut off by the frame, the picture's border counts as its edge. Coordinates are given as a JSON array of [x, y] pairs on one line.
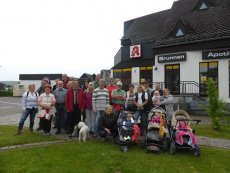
[[42, 143], [28, 145], [36, 144], [4, 148], [12, 147], [19, 146]]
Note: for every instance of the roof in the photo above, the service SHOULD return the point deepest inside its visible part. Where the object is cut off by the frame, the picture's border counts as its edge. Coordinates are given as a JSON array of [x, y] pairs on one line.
[[86, 76], [212, 23], [39, 76], [134, 63]]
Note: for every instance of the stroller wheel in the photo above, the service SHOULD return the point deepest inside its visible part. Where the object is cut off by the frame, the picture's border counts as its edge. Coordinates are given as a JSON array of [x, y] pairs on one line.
[[172, 148], [125, 149], [165, 146], [196, 150]]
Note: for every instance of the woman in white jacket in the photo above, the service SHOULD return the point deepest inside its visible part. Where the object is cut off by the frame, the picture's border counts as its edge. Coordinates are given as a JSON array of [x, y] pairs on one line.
[[46, 101]]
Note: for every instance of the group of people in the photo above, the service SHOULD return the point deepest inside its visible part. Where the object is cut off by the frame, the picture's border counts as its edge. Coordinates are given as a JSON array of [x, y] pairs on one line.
[[99, 104]]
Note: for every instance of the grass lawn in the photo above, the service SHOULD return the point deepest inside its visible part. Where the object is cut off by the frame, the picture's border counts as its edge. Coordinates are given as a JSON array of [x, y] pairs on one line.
[[208, 131], [7, 138], [97, 156]]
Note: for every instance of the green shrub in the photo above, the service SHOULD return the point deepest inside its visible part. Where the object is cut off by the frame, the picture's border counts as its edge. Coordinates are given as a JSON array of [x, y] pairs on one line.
[[6, 93], [216, 106]]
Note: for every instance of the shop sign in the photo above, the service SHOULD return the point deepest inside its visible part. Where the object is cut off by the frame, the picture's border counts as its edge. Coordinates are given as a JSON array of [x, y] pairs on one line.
[[135, 51], [216, 54], [173, 57]]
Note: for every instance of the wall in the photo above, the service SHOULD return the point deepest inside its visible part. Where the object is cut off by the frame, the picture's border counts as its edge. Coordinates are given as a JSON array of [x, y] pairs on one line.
[[189, 71], [135, 77], [36, 82]]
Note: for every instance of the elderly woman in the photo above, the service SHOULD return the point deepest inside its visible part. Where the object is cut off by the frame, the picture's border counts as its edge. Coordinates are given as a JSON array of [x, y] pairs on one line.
[[29, 107], [140, 100], [129, 103], [166, 102], [107, 123], [46, 101]]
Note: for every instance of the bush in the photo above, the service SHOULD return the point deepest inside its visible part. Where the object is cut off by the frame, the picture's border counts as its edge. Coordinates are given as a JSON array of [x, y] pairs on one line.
[[6, 93], [216, 106]]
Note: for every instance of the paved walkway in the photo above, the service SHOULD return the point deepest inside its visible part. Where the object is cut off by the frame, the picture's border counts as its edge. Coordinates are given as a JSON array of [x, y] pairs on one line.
[[13, 120]]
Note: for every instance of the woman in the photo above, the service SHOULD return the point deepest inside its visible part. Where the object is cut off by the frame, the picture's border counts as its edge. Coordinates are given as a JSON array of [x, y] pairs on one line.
[[46, 101], [70, 85], [129, 103], [107, 123], [86, 84], [110, 88], [140, 100], [166, 102], [29, 106], [89, 107]]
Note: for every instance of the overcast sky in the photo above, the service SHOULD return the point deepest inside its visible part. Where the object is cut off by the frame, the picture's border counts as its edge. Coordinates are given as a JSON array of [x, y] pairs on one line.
[[65, 36]]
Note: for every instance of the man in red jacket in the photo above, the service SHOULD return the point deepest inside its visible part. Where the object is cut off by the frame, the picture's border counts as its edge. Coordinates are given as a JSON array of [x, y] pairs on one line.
[[74, 104]]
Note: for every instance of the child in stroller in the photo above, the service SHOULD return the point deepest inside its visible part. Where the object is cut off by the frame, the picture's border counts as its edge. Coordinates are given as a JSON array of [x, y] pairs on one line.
[[156, 132], [126, 130], [182, 136]]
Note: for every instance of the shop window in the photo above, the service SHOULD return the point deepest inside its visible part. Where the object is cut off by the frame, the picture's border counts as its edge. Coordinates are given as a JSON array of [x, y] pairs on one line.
[[123, 75], [146, 74], [207, 70]]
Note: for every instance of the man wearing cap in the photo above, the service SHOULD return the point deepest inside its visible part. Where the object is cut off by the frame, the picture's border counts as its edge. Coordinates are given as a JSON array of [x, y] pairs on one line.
[[148, 90], [118, 98]]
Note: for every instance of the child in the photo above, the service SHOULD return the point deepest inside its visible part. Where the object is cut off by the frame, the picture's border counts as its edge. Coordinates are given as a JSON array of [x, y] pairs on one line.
[[184, 129], [156, 118], [126, 130], [156, 97]]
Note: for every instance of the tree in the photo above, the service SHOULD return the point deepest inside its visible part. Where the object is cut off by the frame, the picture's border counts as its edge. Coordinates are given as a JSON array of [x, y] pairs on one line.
[[216, 106]]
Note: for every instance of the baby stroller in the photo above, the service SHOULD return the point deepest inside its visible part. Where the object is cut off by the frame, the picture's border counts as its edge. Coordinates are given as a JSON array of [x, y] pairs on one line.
[[153, 141], [120, 139], [183, 138]]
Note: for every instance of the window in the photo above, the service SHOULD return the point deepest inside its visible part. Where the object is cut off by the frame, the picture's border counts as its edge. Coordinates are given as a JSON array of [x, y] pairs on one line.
[[202, 5], [207, 70], [179, 33], [172, 78], [123, 75], [146, 74]]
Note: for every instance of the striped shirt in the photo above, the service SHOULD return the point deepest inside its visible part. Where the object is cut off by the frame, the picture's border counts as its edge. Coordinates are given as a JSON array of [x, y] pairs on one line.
[[100, 99]]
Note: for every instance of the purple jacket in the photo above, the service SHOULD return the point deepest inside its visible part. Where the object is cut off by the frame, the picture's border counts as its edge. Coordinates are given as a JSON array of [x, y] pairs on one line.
[[88, 100]]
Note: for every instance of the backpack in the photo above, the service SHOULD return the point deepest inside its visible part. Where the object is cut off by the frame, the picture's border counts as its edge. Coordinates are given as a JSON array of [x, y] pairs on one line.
[[29, 92]]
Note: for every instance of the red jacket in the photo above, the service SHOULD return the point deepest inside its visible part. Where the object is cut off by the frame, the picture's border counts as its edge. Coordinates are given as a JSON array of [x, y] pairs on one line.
[[110, 89], [69, 100]]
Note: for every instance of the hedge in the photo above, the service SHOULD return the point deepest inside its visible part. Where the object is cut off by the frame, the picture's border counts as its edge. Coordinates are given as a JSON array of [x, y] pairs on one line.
[[6, 93]]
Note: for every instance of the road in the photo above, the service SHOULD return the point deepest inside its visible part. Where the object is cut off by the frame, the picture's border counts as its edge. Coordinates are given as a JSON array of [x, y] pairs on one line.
[[10, 105]]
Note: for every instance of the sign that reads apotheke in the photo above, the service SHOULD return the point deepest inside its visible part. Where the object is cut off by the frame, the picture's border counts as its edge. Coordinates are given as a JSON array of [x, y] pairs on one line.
[[135, 51], [172, 57], [216, 54]]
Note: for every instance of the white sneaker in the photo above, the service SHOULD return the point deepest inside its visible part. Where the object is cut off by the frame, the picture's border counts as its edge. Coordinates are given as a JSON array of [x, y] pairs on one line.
[[125, 138], [128, 137]]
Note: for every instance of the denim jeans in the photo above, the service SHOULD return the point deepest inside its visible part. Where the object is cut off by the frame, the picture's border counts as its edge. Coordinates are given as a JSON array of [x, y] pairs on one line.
[[61, 114], [141, 113], [114, 132], [32, 112], [97, 115]]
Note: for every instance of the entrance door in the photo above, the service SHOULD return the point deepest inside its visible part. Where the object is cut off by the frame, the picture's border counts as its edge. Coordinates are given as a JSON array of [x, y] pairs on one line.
[[172, 78]]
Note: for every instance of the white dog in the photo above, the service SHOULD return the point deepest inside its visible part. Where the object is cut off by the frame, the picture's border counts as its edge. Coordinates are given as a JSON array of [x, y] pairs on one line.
[[84, 131]]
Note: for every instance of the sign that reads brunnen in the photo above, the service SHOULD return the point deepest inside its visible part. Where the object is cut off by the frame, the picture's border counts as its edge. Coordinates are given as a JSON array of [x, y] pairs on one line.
[[135, 51], [216, 54], [172, 57]]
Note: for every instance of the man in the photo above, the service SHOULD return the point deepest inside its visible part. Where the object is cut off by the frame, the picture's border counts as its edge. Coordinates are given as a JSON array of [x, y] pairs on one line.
[[55, 86], [157, 88], [65, 81], [74, 104], [148, 90], [99, 101], [96, 83], [60, 95], [110, 88], [118, 98]]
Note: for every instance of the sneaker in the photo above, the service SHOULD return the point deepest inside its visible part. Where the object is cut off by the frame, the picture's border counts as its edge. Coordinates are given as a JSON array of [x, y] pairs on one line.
[[128, 137], [39, 128], [94, 135], [125, 138], [48, 134], [44, 133], [18, 132]]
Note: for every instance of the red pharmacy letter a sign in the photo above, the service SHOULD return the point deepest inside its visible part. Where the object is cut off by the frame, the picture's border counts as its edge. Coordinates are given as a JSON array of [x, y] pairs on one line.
[[135, 51]]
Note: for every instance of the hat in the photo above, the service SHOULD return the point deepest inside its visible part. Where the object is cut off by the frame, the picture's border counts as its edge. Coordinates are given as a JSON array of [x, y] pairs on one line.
[[119, 83]]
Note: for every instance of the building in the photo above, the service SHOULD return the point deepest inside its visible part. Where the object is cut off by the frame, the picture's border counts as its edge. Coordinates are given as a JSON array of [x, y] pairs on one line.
[[2, 86], [180, 47], [26, 79]]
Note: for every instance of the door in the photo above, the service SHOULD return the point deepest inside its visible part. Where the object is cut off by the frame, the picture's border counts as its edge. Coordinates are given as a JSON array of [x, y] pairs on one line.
[[172, 78]]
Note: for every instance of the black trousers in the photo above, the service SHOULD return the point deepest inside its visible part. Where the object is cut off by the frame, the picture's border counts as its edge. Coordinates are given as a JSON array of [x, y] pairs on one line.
[[125, 134], [74, 117], [46, 124]]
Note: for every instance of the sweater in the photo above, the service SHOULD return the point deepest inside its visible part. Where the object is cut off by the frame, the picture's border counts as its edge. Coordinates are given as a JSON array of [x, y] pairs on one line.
[[107, 121], [110, 89], [100, 99]]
